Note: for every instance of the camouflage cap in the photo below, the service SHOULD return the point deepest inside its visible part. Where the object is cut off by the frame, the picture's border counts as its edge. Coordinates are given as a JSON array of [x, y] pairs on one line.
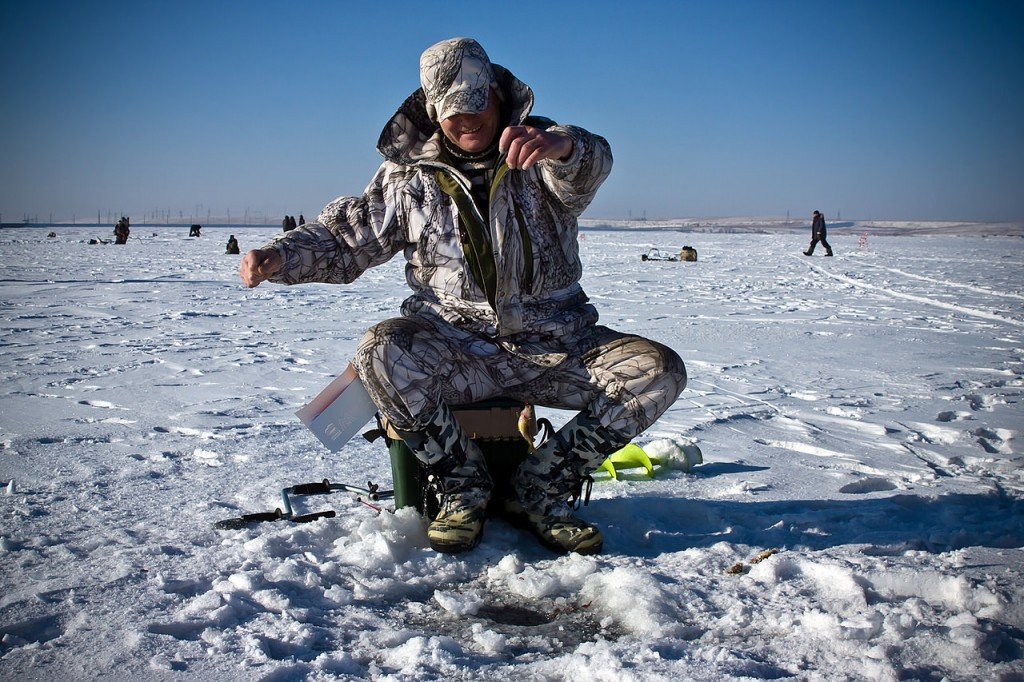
[[456, 76]]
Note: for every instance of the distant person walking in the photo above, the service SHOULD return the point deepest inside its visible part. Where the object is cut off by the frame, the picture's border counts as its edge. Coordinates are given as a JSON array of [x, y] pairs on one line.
[[232, 245], [818, 235]]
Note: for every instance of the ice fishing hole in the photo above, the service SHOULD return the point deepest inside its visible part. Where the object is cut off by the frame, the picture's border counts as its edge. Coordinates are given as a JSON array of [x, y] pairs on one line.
[[514, 615]]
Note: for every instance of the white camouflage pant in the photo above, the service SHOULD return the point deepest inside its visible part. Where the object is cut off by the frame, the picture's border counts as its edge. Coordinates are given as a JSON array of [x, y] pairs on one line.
[[416, 367]]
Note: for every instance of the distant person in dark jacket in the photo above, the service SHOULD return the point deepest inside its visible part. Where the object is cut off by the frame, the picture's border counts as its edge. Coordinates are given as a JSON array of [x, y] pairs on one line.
[[232, 245], [818, 235], [194, 231], [302, 219], [121, 231]]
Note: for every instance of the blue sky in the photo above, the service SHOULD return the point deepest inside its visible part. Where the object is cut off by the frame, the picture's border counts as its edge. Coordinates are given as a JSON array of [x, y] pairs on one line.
[[884, 110]]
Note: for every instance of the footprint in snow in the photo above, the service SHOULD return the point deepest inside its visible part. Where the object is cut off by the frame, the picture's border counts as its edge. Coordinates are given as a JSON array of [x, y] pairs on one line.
[[102, 404], [187, 431], [994, 441], [34, 631], [868, 485], [207, 457], [952, 416], [979, 402]]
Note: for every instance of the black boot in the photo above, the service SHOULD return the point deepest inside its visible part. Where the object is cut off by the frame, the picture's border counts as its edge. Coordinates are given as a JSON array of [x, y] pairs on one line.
[[555, 526], [459, 523], [458, 475], [550, 482]]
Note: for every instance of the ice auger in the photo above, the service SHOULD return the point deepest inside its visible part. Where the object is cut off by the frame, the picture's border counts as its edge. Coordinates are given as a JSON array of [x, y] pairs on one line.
[[285, 512]]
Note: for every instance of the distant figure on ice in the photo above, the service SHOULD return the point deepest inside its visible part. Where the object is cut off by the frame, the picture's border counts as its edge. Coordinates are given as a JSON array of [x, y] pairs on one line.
[[302, 220], [288, 224], [194, 231], [122, 231], [482, 198], [232, 245], [818, 235]]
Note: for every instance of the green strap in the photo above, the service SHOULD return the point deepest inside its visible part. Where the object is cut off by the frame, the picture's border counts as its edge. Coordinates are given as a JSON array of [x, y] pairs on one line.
[[475, 236], [524, 237], [476, 243]]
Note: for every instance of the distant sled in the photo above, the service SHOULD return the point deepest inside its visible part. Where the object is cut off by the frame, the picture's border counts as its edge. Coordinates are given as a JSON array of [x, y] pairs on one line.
[[654, 253], [687, 253]]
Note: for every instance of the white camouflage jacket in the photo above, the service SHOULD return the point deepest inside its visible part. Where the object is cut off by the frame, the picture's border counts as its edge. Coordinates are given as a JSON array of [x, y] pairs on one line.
[[410, 206]]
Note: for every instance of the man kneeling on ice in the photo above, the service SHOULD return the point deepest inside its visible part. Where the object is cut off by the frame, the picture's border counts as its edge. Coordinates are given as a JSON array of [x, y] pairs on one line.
[[483, 199]]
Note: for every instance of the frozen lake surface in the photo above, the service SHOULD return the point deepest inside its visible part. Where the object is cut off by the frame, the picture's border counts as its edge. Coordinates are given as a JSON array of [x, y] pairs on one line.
[[860, 414]]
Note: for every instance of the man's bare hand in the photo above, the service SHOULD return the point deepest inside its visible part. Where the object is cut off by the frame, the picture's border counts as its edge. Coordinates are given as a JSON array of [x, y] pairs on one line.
[[258, 266], [525, 146]]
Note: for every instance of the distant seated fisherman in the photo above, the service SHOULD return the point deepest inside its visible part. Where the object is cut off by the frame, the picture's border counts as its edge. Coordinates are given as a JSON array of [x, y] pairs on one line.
[[483, 198], [232, 245]]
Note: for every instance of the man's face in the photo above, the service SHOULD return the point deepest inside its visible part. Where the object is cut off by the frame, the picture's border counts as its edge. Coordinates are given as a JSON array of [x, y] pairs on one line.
[[473, 132]]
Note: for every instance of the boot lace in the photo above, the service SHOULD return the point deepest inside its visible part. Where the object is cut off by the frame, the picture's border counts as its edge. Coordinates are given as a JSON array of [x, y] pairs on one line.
[[581, 492]]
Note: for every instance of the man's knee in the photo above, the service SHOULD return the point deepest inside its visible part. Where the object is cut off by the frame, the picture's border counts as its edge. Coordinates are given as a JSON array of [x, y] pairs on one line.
[[393, 367], [383, 342], [640, 380], [635, 359], [673, 366], [665, 378], [384, 354]]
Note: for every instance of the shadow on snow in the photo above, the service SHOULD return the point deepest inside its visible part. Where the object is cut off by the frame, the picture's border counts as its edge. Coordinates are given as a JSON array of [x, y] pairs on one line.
[[652, 525]]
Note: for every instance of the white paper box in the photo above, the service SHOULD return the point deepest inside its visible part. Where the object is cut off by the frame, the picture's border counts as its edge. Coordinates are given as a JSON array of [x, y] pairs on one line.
[[339, 411]]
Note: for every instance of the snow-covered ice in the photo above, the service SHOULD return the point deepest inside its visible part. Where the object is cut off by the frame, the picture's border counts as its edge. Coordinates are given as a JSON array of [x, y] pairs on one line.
[[861, 414]]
